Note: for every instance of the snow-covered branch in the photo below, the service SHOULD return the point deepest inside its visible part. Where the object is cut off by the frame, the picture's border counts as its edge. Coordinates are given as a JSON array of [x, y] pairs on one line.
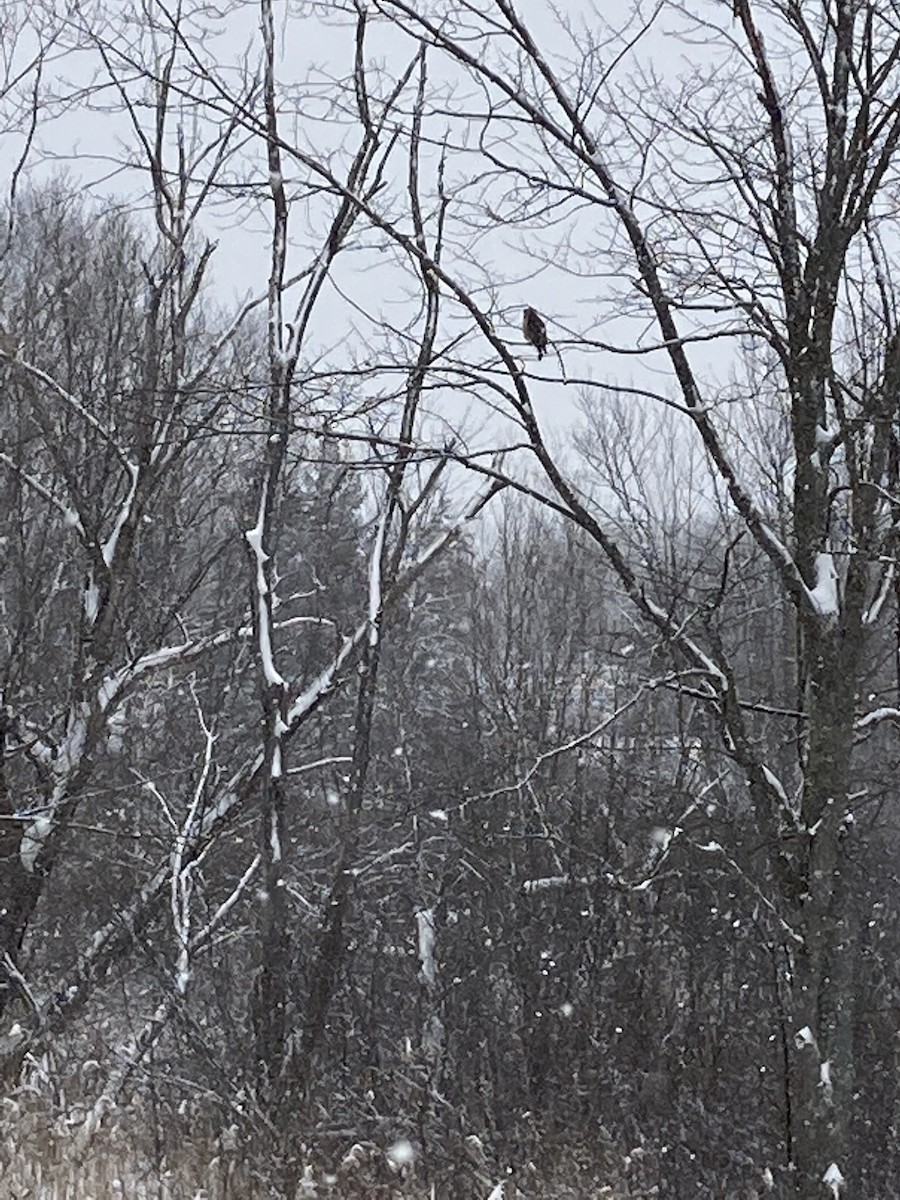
[[877, 716], [376, 563], [183, 872], [35, 372], [69, 515]]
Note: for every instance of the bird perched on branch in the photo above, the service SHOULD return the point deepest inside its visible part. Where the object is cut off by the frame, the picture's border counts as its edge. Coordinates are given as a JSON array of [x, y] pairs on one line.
[[535, 330]]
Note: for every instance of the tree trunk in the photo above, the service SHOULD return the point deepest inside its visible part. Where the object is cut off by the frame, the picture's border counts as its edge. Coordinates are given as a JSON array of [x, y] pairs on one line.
[[824, 964]]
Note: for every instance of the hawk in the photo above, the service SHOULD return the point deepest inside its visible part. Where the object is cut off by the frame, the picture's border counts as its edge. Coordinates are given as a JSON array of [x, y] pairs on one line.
[[535, 330]]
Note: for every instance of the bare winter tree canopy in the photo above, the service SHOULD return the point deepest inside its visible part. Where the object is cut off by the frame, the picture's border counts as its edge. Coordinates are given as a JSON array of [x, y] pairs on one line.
[[421, 774]]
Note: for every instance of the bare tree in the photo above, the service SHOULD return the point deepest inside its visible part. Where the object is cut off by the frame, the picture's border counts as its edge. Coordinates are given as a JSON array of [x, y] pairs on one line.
[[755, 210], [140, 417], [714, 241]]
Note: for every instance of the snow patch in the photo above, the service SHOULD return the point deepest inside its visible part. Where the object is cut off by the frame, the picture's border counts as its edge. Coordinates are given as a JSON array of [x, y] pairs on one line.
[[109, 549], [824, 437], [877, 715], [824, 595], [375, 581], [776, 785], [72, 746], [183, 974], [254, 541], [254, 538], [106, 693], [825, 1081], [661, 838], [834, 1180], [548, 881], [91, 600], [307, 1188], [873, 612], [425, 929], [33, 841]]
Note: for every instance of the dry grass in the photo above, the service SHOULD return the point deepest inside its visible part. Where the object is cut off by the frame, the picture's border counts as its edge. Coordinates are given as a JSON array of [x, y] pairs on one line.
[[46, 1159], [121, 1173], [118, 1174], [51, 1149], [51, 1168], [117, 1177], [49, 1152]]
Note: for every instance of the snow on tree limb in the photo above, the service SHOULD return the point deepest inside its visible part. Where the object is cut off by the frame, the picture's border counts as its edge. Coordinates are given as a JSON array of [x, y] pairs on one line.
[[873, 612], [69, 515], [375, 568], [124, 515], [263, 599], [113, 939], [876, 716], [834, 1181], [77, 406], [132, 1053], [824, 596], [182, 872]]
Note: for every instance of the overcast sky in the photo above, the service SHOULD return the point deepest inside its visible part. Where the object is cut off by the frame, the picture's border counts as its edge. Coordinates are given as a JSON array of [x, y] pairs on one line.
[[85, 132]]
